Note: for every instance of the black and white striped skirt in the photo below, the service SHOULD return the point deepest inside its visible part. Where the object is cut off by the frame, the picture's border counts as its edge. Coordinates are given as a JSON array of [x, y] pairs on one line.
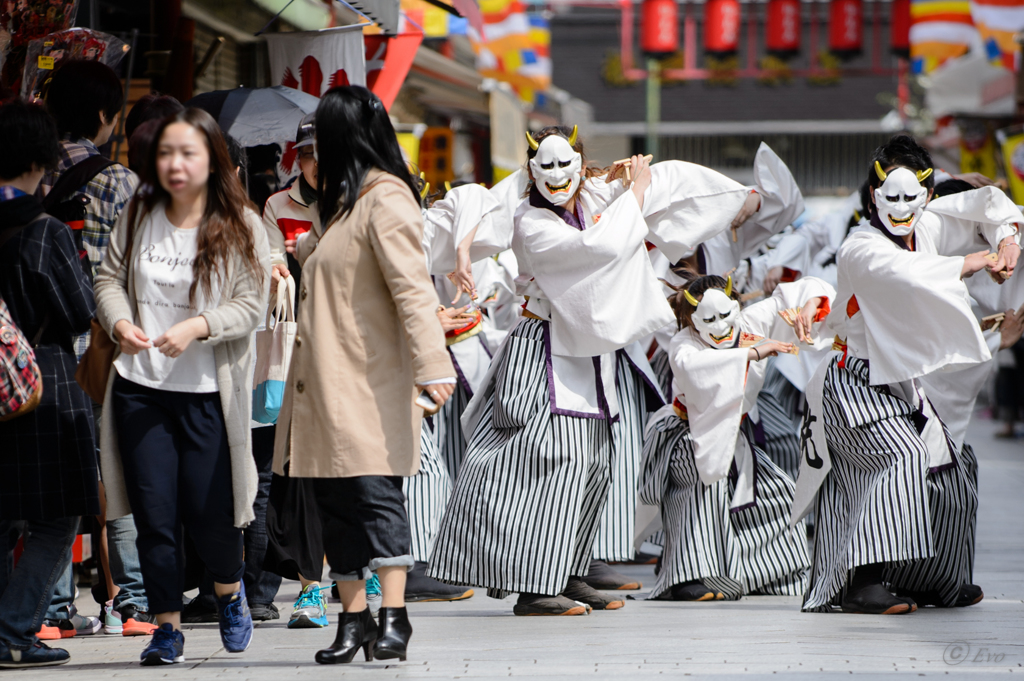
[[527, 501], [662, 368], [751, 550], [880, 503], [426, 495], [780, 404]]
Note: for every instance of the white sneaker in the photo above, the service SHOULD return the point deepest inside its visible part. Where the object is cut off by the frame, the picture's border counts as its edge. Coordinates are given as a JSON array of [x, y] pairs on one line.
[[111, 620]]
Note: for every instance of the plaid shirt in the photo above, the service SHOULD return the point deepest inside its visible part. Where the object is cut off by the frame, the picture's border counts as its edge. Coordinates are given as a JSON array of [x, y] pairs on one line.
[[109, 192]]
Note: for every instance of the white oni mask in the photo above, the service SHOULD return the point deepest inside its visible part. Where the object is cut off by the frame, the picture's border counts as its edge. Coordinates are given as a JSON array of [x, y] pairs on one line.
[[556, 169], [901, 198], [715, 316]]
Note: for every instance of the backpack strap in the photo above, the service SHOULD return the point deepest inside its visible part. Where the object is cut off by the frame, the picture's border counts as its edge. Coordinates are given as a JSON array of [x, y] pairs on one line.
[[10, 233], [74, 178]]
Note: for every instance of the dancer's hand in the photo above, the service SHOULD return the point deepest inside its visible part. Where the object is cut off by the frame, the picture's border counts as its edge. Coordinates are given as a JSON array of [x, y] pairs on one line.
[[1008, 253], [975, 262], [769, 349], [805, 320], [750, 206], [976, 180], [771, 280], [640, 169], [1011, 329]]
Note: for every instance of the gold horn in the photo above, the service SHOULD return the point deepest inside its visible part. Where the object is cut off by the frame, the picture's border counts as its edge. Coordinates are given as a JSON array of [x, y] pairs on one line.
[[881, 173], [690, 299], [532, 142], [447, 186], [728, 286], [425, 190], [922, 175], [574, 135]]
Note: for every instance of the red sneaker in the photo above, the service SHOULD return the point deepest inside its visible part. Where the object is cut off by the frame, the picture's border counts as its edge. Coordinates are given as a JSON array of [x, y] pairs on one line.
[[53, 633]]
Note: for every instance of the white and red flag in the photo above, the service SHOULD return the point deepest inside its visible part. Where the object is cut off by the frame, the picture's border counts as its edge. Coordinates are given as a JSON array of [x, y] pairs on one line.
[[316, 61]]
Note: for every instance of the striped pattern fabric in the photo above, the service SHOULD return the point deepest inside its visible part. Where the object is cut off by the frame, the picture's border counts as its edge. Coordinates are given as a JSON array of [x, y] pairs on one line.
[[780, 404], [939, 30], [614, 540], [426, 495], [662, 370], [526, 505], [451, 442], [879, 504], [748, 551]]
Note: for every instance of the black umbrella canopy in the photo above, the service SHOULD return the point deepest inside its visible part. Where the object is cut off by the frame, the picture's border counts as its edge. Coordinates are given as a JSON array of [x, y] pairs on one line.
[[255, 116]]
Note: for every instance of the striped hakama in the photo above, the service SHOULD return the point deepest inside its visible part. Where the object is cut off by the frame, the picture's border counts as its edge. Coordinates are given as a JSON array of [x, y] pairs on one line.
[[662, 367], [426, 495], [614, 540], [529, 495], [780, 404], [736, 552], [880, 503]]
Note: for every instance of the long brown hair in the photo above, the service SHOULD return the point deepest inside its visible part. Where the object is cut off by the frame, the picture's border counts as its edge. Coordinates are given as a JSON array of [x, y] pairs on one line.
[[223, 230]]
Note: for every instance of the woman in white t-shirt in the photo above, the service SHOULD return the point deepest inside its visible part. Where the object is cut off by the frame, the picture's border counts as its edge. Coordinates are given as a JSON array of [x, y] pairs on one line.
[[182, 287]]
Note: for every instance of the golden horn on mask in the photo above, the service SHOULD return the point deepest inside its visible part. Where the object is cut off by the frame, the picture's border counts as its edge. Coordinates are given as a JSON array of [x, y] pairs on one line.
[[881, 173], [447, 186], [690, 299], [728, 286], [425, 190], [574, 135], [922, 175], [532, 142]]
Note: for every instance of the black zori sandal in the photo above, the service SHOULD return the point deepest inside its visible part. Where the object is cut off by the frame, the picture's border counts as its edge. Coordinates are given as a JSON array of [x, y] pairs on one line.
[[875, 599], [355, 630], [695, 591]]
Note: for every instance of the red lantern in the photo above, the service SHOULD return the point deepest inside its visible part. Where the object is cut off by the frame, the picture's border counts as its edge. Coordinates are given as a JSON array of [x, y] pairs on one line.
[[783, 28], [659, 27], [846, 27], [722, 27], [900, 28]]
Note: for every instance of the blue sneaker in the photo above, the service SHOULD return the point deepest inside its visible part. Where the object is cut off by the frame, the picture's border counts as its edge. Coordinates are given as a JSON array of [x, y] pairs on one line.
[[36, 655], [166, 647], [373, 595], [310, 611], [235, 621]]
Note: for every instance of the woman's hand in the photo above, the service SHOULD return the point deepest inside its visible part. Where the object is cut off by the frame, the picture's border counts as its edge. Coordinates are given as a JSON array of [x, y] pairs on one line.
[[640, 171], [975, 262], [454, 318], [805, 320], [289, 245], [1011, 329], [769, 349], [750, 206], [1008, 252], [277, 273], [439, 392], [976, 180], [131, 338], [176, 339], [462, 277], [772, 279]]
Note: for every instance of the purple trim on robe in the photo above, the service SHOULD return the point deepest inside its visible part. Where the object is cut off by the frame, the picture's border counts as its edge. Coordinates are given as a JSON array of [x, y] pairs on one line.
[[653, 393], [459, 375], [484, 344], [551, 385], [574, 219]]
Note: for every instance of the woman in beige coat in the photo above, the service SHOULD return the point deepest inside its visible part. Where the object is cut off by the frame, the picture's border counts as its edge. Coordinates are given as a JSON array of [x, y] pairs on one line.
[[368, 342]]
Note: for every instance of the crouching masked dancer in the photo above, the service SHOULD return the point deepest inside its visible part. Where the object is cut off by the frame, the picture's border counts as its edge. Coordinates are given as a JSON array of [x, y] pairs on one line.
[[725, 507], [896, 502], [526, 505]]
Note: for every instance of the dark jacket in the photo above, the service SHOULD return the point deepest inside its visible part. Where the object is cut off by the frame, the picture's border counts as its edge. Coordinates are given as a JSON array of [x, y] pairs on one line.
[[48, 463]]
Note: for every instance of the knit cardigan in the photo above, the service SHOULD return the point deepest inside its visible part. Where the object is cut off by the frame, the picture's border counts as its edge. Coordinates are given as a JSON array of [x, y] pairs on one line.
[[242, 304]]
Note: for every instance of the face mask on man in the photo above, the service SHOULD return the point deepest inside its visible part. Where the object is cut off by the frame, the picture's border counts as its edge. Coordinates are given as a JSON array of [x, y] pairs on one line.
[[901, 198]]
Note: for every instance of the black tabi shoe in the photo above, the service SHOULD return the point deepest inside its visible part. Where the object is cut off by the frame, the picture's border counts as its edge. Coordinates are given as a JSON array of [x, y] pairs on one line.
[[600, 575], [355, 630], [875, 599], [578, 590], [420, 588], [970, 594], [695, 591], [530, 605], [395, 632]]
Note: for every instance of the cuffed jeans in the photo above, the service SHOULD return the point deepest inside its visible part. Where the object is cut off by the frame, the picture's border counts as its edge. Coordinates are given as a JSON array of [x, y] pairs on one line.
[[124, 564], [26, 591], [365, 526], [177, 471]]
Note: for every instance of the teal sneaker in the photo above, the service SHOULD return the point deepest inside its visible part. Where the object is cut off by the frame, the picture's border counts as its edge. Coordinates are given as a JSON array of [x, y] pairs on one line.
[[310, 610], [373, 595], [112, 624]]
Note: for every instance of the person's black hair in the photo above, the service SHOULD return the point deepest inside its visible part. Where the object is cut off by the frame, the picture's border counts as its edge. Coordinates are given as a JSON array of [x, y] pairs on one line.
[[78, 92], [263, 157], [353, 135], [150, 107], [237, 153], [30, 137], [953, 186], [901, 151]]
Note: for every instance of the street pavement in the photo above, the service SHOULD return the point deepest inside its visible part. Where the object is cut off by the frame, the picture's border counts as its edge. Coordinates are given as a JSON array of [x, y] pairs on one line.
[[764, 636]]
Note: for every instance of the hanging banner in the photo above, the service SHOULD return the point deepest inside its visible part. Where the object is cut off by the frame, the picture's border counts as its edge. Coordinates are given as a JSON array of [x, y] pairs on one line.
[[977, 149], [316, 61], [47, 54], [1012, 142], [21, 22], [388, 59]]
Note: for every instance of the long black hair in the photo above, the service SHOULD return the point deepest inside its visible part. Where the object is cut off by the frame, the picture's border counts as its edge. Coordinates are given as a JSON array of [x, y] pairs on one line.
[[902, 151], [353, 135]]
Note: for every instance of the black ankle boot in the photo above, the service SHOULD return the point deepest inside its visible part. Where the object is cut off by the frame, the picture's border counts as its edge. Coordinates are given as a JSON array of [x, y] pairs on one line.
[[395, 632], [355, 630]]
